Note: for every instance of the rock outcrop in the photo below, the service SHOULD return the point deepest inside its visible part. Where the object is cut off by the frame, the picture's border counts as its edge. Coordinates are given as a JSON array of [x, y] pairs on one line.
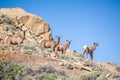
[[15, 20], [36, 24]]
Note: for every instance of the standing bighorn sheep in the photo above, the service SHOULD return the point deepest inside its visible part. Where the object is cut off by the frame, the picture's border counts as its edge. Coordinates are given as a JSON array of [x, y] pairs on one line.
[[89, 49], [49, 43], [15, 40], [62, 47]]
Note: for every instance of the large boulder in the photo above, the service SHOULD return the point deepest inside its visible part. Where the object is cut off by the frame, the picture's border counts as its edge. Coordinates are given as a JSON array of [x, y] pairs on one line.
[[14, 20], [36, 24]]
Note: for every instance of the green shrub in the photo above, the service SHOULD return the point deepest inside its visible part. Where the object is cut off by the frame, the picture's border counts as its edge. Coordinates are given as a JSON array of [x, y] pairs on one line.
[[30, 48], [67, 56], [93, 65], [89, 76], [62, 78], [101, 77], [66, 78], [8, 70], [104, 71], [46, 69], [51, 76]]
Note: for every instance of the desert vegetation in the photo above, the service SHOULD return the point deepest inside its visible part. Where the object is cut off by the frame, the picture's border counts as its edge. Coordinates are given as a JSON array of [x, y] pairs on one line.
[[12, 71]]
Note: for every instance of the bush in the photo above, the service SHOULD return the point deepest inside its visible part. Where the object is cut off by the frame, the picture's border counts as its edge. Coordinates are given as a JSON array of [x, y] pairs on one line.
[[66, 78], [66, 56], [51, 76], [114, 76], [101, 77], [89, 76], [104, 71], [93, 65], [62, 73], [46, 69], [6, 19], [111, 63], [30, 48], [12, 27], [9, 70]]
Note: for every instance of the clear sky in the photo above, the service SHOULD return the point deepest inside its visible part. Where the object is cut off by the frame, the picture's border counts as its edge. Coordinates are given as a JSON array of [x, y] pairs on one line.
[[82, 21]]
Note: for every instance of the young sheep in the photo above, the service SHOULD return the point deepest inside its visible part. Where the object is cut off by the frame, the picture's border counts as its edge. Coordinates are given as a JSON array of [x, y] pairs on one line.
[[89, 49], [62, 47], [49, 43], [15, 40]]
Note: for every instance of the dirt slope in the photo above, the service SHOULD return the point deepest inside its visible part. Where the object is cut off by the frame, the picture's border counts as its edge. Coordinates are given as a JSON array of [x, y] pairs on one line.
[[34, 61], [72, 69]]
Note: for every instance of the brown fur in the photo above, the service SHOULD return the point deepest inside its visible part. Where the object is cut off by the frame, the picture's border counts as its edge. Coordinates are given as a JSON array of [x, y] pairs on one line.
[[15, 40], [49, 43], [90, 50], [62, 47]]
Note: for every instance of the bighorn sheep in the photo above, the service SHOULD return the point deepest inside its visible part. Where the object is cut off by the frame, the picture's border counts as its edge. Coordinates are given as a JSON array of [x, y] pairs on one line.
[[62, 47], [89, 49], [49, 43], [15, 40]]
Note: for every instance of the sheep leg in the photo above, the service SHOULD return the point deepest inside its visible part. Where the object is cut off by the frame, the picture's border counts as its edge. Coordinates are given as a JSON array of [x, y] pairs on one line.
[[56, 51], [62, 51], [83, 53], [53, 49], [56, 55], [87, 52], [91, 55], [86, 55]]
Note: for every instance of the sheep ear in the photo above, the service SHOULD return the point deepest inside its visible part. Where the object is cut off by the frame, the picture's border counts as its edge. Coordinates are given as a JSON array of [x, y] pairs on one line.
[[94, 43], [67, 40]]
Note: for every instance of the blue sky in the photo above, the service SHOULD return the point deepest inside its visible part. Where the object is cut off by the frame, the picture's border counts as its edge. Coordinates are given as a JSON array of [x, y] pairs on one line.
[[82, 21]]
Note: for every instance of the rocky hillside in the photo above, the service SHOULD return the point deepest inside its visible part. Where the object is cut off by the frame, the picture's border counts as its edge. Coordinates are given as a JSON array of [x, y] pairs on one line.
[[13, 20], [36, 24], [30, 64], [71, 66]]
